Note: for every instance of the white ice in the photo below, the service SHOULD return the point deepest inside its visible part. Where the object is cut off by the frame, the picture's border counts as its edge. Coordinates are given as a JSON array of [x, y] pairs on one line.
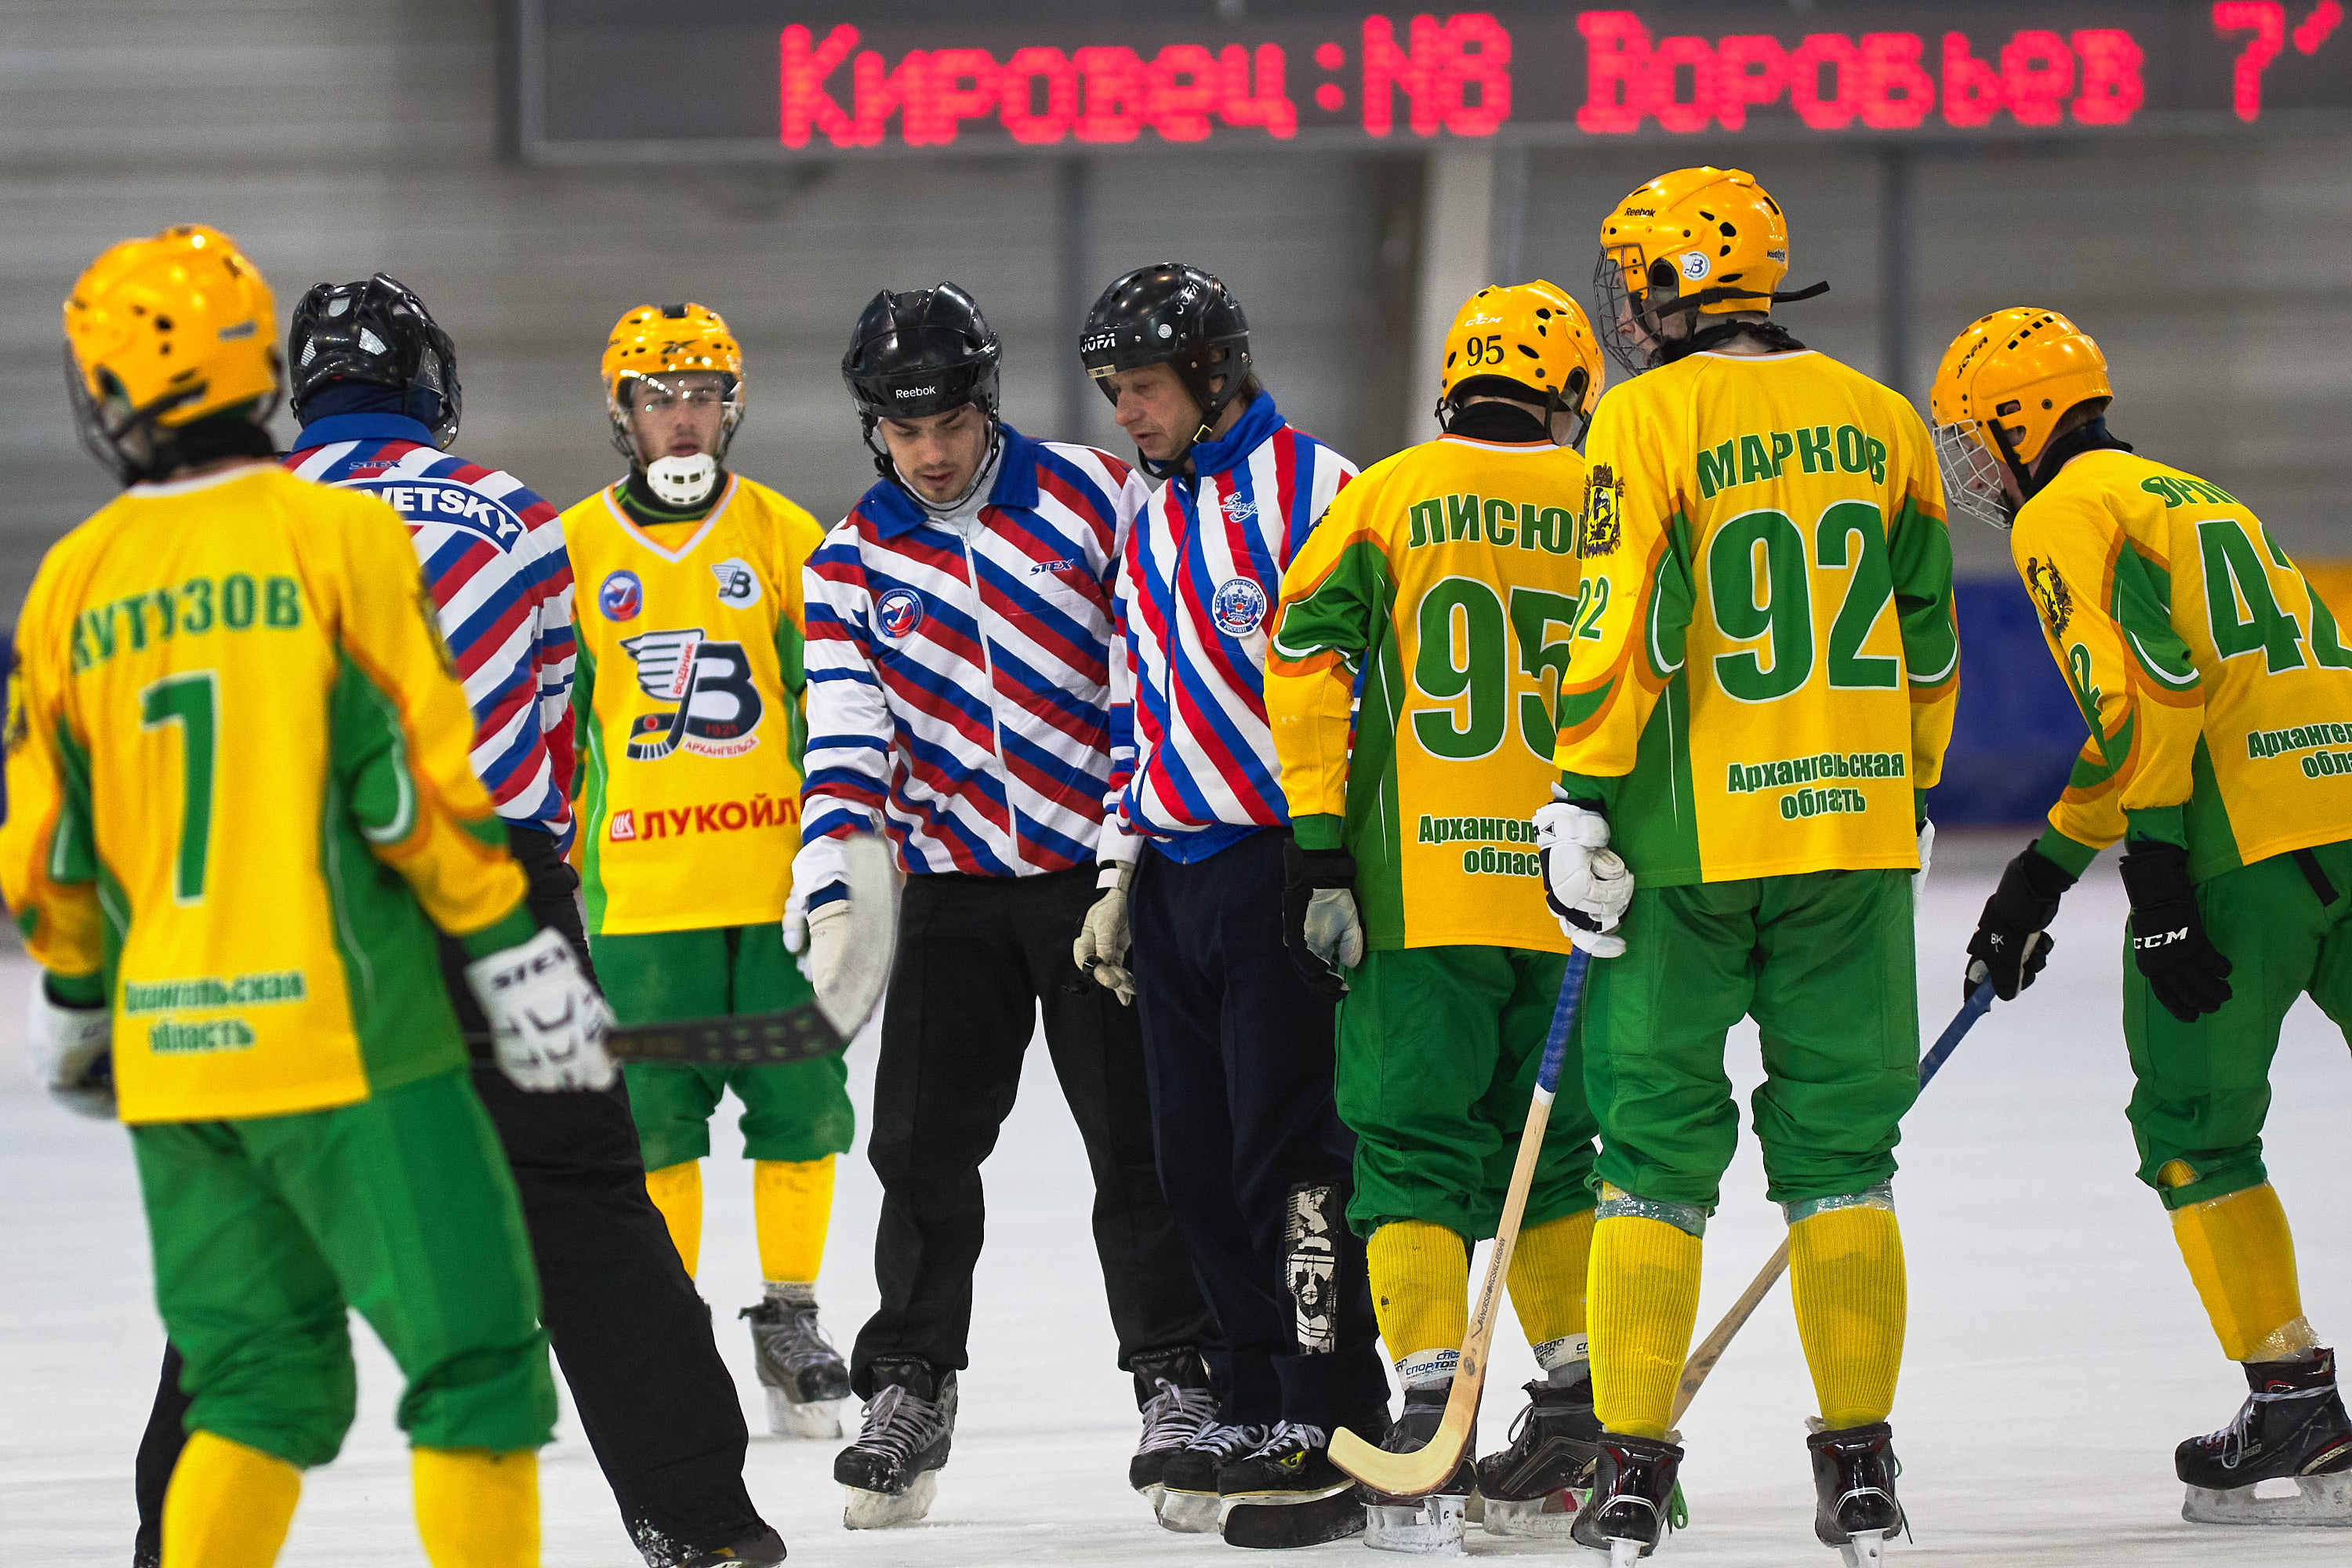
[[2056, 1350]]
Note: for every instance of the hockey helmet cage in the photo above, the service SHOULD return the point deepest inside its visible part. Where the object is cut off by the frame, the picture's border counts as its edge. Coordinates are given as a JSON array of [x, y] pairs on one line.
[[655, 340], [1706, 241], [2003, 386], [1174, 314], [1524, 340], [377, 333], [164, 332]]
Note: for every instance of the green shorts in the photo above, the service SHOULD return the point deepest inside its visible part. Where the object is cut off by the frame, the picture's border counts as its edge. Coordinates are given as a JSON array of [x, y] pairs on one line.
[[265, 1231], [1823, 963], [2204, 1088], [1438, 1052], [798, 1112]]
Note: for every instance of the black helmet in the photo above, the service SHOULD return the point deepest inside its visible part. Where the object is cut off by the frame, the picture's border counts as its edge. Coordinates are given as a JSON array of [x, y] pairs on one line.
[[1175, 314], [377, 333], [924, 351]]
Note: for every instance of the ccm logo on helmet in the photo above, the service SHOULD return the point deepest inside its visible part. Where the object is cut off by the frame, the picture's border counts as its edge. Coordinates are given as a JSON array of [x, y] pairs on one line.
[[917, 392]]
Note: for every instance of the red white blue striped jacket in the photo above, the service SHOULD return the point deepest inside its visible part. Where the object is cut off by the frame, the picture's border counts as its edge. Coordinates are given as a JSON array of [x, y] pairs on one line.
[[959, 688], [495, 563], [1193, 767]]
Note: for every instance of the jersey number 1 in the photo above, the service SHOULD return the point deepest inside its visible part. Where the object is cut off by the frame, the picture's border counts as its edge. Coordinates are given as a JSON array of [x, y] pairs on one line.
[[192, 701]]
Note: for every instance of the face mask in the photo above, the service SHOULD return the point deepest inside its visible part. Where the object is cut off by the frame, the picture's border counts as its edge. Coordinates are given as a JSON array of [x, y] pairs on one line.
[[682, 481]]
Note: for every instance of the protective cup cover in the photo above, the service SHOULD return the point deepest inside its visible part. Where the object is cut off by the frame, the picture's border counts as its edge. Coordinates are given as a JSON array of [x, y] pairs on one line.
[[377, 333]]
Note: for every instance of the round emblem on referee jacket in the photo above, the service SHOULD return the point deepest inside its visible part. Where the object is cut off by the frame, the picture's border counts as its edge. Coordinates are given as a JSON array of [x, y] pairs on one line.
[[621, 596], [897, 613], [1237, 607]]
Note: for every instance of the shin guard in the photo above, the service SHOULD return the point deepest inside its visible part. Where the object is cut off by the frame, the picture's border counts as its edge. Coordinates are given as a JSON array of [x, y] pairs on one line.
[[792, 1207], [2242, 1257], [1845, 1276], [476, 1509], [676, 1190], [228, 1505], [1645, 1299], [1421, 1293]]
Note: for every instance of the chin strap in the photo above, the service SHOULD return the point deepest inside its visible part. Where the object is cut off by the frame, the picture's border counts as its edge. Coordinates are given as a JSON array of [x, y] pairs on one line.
[[1771, 333]]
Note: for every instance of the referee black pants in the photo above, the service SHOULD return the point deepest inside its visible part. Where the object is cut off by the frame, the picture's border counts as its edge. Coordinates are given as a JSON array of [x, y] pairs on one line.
[[1252, 1155], [979, 958], [656, 1404]]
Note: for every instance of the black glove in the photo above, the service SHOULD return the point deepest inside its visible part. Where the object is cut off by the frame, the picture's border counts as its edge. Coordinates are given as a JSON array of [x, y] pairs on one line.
[[2186, 971], [1305, 872], [2012, 941]]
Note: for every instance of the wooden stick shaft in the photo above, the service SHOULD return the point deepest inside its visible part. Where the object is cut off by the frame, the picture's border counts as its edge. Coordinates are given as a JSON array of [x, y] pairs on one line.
[[1711, 1349]]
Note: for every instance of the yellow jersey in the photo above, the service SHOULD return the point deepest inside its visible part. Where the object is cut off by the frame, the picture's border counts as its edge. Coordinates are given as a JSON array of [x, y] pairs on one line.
[[689, 697], [2215, 680], [239, 786], [1441, 583], [1765, 671]]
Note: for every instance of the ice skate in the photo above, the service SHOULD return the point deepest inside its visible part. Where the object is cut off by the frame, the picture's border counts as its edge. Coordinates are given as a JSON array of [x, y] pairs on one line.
[[1172, 1389], [761, 1550], [1534, 1487], [1630, 1505], [1287, 1491], [1188, 1500], [1854, 1491], [2291, 1432], [804, 1377], [1429, 1526], [891, 1472]]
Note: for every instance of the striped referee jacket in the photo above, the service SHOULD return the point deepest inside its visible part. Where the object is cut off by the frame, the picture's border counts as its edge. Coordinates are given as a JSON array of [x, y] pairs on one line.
[[959, 680], [495, 563], [1193, 766]]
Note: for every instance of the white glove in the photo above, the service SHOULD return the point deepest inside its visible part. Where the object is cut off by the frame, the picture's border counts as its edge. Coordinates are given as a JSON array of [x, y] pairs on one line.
[[547, 1022], [1334, 932], [1926, 853], [1104, 937], [72, 1053], [1585, 882], [825, 939]]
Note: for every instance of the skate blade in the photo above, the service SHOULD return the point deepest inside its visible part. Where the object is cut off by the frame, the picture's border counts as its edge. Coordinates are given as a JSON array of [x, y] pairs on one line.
[[1547, 1518], [2323, 1500], [817, 1418], [888, 1510], [1624, 1554], [1152, 1494], [1865, 1549], [1433, 1528], [1189, 1513]]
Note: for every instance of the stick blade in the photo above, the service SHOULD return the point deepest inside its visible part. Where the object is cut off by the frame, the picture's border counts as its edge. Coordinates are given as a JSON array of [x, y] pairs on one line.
[[1413, 1474]]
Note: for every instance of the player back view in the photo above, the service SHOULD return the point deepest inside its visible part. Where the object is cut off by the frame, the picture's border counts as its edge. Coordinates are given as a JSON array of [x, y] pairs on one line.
[[1760, 688], [239, 802]]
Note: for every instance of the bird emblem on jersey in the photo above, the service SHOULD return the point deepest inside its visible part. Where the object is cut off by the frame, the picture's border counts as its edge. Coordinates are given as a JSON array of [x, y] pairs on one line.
[[739, 585], [2050, 594], [897, 613], [1237, 606], [1603, 492], [621, 596], [715, 710]]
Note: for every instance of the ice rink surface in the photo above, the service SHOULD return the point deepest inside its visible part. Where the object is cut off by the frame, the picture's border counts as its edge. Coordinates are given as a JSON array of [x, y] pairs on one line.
[[2056, 1350]]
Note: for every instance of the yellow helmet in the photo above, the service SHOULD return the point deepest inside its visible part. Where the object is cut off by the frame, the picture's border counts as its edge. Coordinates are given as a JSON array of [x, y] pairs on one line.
[[2003, 386], [1708, 240], [655, 340], [161, 332], [1531, 340]]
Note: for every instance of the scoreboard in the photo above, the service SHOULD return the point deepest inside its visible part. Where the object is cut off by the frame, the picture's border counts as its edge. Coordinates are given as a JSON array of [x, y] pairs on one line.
[[624, 79]]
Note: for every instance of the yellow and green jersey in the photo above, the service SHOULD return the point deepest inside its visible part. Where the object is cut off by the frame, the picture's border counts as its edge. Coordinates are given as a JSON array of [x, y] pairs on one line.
[[688, 693], [239, 786], [1766, 667], [2216, 683], [1441, 583]]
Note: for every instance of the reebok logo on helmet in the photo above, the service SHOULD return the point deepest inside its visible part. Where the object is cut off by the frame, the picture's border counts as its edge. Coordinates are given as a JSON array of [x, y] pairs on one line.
[[917, 392]]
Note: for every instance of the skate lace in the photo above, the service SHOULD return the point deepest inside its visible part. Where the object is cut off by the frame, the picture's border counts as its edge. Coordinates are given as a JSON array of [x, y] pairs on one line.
[[898, 1423], [1174, 1416], [1285, 1438], [2230, 1440], [1225, 1442], [803, 1344]]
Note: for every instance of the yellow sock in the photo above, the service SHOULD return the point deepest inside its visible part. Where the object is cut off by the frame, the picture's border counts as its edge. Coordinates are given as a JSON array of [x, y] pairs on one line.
[[1845, 1275], [676, 1190], [791, 1205], [1421, 1294], [476, 1509], [1644, 1303], [228, 1505], [1548, 1279], [2242, 1256]]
